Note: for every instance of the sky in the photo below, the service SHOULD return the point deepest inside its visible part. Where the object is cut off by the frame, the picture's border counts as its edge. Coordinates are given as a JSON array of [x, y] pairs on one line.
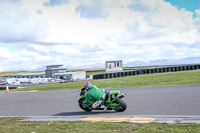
[[79, 33]]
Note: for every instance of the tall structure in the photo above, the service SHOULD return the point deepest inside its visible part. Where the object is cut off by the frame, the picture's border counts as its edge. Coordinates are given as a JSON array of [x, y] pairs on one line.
[[114, 66], [58, 72], [53, 69]]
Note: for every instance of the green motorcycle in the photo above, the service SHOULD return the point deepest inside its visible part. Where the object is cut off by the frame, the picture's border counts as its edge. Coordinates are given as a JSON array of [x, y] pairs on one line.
[[113, 101]]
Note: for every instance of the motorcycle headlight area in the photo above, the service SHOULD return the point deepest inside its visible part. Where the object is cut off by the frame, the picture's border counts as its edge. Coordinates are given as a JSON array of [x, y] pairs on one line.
[[113, 96]]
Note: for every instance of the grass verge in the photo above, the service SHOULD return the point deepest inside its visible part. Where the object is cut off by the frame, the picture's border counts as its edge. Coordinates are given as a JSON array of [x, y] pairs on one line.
[[157, 79], [14, 125]]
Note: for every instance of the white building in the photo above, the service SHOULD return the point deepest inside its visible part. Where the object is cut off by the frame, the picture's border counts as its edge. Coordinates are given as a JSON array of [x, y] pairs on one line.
[[53, 71], [78, 75], [28, 75]]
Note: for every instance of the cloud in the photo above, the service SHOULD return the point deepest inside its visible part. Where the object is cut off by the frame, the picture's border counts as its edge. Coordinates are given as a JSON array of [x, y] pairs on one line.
[[91, 49], [137, 6], [92, 9], [79, 32], [39, 12], [66, 49], [160, 23], [52, 3], [11, 2], [5, 54], [19, 25], [39, 48]]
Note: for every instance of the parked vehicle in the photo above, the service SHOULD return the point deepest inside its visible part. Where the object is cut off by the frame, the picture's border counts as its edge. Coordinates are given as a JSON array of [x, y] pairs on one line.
[[3, 83], [64, 81]]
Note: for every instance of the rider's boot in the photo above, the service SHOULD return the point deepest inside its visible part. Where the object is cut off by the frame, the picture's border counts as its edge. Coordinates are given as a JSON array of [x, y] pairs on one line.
[[104, 107], [97, 103]]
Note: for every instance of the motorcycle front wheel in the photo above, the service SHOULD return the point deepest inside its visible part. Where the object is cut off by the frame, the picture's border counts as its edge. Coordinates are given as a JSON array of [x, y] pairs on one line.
[[122, 105], [85, 108]]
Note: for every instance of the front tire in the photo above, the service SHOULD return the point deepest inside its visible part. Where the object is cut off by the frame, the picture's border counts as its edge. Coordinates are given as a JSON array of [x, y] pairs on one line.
[[85, 108], [122, 105]]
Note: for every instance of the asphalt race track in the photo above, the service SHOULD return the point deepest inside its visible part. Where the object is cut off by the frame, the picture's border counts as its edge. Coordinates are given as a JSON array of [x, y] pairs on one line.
[[142, 101]]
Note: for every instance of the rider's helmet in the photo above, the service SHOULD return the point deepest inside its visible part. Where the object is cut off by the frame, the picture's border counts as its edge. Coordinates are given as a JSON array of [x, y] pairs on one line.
[[87, 84]]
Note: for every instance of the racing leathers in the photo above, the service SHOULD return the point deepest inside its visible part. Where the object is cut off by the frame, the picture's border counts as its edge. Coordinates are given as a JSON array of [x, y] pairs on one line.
[[95, 93]]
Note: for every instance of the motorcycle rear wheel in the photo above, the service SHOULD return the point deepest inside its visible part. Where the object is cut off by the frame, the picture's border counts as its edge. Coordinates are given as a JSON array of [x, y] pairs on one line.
[[122, 105]]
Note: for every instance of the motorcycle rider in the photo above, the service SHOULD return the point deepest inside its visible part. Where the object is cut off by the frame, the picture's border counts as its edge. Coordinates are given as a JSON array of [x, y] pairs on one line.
[[98, 94]]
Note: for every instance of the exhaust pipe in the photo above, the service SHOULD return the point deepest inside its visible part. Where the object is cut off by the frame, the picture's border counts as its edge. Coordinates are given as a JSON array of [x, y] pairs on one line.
[[122, 95]]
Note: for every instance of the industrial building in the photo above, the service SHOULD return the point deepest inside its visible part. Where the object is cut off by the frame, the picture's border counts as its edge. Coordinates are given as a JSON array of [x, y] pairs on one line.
[[78, 75], [53, 71], [28, 75]]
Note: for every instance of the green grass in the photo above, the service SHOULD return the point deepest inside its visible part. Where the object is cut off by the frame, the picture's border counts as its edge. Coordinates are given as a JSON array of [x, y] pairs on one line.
[[14, 125], [157, 79], [17, 72]]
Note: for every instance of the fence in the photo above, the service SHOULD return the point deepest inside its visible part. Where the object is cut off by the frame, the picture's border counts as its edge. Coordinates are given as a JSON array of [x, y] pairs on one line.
[[10, 87], [146, 71]]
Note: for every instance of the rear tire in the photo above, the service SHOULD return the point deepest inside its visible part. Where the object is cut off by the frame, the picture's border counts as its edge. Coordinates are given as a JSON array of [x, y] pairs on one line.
[[122, 105]]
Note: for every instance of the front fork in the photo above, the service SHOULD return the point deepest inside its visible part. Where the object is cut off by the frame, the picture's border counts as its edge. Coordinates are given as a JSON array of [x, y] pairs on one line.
[[114, 105]]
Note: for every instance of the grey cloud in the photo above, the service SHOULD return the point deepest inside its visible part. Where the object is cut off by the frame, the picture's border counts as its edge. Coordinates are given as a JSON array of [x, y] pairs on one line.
[[136, 33], [137, 7], [10, 1], [93, 11], [39, 12], [52, 43], [28, 47], [52, 3]]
